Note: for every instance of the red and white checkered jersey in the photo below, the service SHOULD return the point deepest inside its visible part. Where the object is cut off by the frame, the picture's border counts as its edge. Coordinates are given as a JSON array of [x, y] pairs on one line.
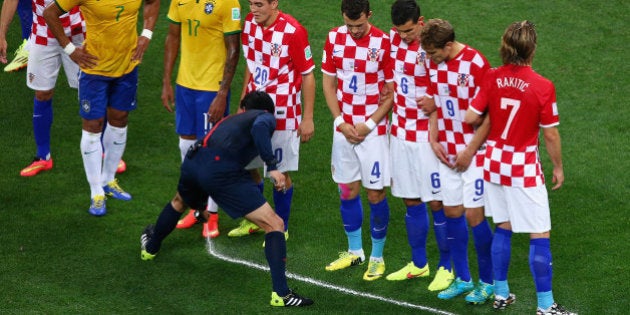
[[362, 67], [72, 22], [277, 57], [453, 85], [411, 80], [519, 102]]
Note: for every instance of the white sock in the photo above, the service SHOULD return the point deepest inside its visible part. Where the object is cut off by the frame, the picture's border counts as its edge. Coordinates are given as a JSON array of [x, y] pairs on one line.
[[376, 259], [359, 253], [92, 154], [212, 206], [114, 142], [184, 145]]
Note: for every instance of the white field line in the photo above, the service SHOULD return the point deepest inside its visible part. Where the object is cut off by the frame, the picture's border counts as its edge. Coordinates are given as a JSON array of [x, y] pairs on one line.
[[213, 251]]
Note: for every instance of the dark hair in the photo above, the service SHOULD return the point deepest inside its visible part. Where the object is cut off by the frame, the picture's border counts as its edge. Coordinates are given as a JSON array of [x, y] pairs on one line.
[[518, 43], [258, 100], [353, 8], [436, 33], [404, 11]]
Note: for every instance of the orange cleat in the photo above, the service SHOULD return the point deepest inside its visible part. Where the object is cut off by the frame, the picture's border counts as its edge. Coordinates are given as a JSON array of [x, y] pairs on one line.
[[211, 228], [38, 165], [188, 221]]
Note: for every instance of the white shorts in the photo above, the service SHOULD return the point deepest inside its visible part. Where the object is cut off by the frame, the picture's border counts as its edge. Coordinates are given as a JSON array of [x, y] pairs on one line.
[[286, 148], [367, 161], [414, 170], [43, 67], [527, 209], [462, 188]]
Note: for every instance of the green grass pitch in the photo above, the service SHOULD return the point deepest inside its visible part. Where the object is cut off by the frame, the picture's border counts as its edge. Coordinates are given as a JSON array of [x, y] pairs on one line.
[[57, 259]]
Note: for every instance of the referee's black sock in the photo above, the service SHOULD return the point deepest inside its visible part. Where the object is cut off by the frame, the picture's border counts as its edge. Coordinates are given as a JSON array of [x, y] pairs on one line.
[[164, 225], [276, 253]]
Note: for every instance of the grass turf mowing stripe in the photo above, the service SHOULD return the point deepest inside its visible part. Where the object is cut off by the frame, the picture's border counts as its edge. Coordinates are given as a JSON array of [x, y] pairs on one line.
[[213, 252]]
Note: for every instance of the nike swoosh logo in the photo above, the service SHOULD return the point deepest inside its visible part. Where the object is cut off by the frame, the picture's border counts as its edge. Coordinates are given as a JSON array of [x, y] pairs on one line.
[[477, 199], [89, 152], [411, 276], [119, 143], [435, 192], [180, 4], [37, 116], [336, 51], [373, 181], [379, 230]]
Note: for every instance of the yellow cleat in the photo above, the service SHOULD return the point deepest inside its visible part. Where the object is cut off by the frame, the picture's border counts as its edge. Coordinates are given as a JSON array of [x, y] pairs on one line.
[[245, 228], [21, 59], [345, 260], [375, 270], [443, 279], [409, 271]]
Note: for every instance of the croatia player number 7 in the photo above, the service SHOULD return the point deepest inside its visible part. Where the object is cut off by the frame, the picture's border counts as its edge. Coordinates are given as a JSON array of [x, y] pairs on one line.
[[512, 105]]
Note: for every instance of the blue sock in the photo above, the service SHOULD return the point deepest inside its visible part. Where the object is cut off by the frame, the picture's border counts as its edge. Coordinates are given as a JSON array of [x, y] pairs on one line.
[[501, 252], [542, 271], [501, 288], [165, 224], [25, 12], [439, 229], [379, 220], [417, 222], [355, 241], [457, 235], [282, 201], [352, 218], [483, 244], [42, 122], [276, 254]]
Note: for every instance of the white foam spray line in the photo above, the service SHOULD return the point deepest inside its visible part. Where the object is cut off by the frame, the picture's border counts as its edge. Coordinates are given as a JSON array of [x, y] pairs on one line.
[[213, 251]]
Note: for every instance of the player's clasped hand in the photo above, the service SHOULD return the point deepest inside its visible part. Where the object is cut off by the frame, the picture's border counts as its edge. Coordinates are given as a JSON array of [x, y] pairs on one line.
[[351, 133]]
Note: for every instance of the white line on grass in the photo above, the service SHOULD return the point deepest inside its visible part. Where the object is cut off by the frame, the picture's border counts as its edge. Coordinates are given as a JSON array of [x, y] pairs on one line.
[[213, 251]]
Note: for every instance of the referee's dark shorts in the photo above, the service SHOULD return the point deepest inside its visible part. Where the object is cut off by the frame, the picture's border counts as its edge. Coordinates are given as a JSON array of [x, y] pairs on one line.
[[207, 172]]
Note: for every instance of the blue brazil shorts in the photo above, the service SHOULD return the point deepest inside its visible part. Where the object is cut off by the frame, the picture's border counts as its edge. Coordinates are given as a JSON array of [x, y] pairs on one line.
[[97, 92]]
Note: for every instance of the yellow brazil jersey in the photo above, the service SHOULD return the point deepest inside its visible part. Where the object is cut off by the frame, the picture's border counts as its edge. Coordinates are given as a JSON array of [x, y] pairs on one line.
[[204, 23], [111, 33]]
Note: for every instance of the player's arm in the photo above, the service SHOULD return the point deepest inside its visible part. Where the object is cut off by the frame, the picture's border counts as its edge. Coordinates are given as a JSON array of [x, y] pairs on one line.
[[6, 16], [217, 107], [246, 76], [438, 149], [554, 149], [329, 85], [473, 117], [307, 126], [465, 157], [79, 55], [171, 50], [385, 106], [150, 15]]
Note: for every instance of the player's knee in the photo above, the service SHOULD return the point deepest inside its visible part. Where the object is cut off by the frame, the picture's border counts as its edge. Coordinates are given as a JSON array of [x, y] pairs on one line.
[[375, 196], [43, 96], [347, 191], [474, 216]]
